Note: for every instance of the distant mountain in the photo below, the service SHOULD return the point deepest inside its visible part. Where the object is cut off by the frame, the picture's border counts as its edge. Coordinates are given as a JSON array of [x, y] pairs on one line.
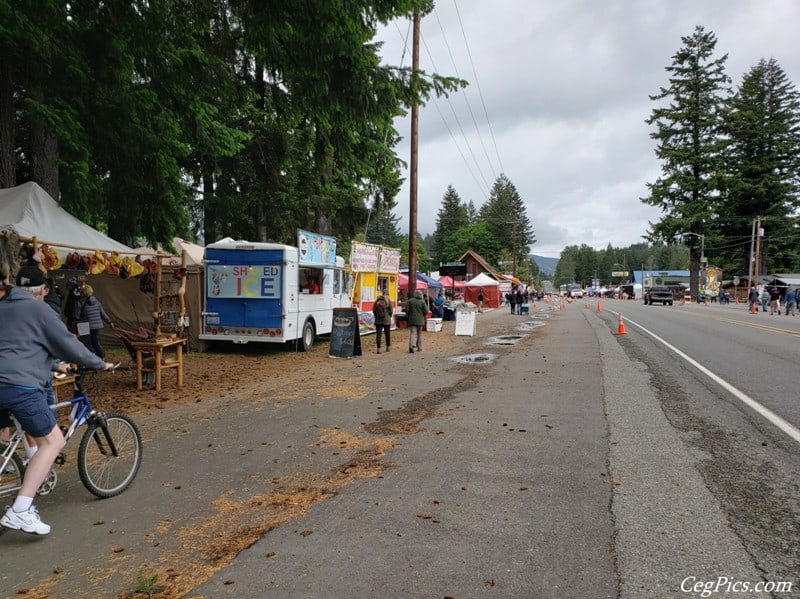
[[547, 266]]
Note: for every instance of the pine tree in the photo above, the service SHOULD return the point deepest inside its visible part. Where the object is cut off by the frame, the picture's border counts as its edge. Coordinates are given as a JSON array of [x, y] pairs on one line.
[[506, 217], [763, 168], [689, 144], [451, 217], [383, 228]]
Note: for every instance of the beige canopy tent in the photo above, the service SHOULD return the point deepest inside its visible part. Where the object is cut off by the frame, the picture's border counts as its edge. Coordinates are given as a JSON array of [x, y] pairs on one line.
[[36, 217]]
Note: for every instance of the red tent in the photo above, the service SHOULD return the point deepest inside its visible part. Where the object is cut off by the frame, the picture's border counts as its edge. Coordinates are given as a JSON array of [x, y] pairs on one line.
[[403, 283], [490, 288], [449, 283]]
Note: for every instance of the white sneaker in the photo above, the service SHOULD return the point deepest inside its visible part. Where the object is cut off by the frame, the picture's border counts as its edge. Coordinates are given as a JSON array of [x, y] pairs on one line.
[[26, 521]]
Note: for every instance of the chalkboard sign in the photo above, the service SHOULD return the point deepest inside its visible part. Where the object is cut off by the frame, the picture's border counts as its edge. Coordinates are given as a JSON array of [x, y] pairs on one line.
[[345, 335]]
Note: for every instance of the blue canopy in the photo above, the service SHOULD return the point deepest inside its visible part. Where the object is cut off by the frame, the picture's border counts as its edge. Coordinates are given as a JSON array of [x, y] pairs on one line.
[[432, 283]]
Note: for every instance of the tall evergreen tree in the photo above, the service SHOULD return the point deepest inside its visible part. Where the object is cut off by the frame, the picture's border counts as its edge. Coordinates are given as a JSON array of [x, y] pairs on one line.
[[689, 144], [506, 216], [763, 168], [451, 217], [478, 238], [383, 228]]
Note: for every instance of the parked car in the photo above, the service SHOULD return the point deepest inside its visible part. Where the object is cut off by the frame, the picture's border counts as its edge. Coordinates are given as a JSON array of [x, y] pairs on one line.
[[658, 295], [574, 290]]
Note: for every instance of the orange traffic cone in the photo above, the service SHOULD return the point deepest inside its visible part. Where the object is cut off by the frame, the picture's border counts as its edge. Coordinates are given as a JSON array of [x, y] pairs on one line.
[[621, 326], [753, 309], [586, 305], [599, 308]]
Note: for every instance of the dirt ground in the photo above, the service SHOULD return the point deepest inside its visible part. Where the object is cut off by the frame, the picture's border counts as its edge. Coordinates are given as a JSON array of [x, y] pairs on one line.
[[209, 540], [217, 373]]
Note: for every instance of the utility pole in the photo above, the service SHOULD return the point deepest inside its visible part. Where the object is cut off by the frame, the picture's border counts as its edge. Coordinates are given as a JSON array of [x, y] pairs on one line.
[[752, 254], [413, 164], [758, 248]]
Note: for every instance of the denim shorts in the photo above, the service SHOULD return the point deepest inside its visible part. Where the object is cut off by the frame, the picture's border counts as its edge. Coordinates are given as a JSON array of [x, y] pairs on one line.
[[30, 408]]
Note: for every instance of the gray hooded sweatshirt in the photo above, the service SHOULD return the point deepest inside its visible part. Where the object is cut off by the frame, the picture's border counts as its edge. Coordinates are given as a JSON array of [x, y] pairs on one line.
[[31, 337]]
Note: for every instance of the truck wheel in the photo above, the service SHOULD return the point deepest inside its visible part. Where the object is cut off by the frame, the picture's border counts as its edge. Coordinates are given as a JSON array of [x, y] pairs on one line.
[[306, 342]]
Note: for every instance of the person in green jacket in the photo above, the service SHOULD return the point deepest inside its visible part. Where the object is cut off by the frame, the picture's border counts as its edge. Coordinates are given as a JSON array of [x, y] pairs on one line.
[[416, 309]]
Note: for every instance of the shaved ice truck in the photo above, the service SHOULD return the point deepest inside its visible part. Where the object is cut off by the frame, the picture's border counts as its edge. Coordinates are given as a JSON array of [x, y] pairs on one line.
[[272, 293]]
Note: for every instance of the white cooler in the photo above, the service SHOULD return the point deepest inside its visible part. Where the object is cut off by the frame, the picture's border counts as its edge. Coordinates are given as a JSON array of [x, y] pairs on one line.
[[433, 325]]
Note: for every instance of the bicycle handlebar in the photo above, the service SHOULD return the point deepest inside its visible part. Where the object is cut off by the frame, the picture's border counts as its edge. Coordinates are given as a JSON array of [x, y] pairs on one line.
[[83, 369]]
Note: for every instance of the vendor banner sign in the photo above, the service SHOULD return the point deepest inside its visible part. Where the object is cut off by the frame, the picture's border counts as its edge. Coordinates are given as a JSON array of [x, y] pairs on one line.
[[243, 281], [364, 257], [316, 250], [390, 260]]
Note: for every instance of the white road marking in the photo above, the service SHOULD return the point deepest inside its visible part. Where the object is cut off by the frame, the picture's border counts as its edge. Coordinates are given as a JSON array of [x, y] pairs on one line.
[[787, 427]]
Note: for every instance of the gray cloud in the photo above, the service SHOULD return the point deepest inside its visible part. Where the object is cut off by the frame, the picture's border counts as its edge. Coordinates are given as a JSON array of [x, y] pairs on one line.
[[566, 86]]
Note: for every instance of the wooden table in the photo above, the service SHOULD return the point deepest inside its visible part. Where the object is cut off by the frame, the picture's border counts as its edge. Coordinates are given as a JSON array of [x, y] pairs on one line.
[[60, 382], [158, 362]]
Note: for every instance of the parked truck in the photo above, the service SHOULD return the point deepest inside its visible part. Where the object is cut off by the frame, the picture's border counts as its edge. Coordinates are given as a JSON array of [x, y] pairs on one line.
[[272, 293]]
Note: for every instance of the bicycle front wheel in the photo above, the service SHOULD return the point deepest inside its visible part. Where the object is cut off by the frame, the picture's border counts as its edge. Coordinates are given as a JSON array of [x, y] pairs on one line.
[[11, 476], [109, 454]]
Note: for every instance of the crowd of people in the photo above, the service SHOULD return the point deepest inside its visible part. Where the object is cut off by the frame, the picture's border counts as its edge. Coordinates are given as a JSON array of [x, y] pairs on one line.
[[773, 298]]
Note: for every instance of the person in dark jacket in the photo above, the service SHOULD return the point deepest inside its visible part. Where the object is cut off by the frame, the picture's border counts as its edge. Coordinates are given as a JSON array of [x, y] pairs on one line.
[[95, 315], [382, 312], [53, 298]]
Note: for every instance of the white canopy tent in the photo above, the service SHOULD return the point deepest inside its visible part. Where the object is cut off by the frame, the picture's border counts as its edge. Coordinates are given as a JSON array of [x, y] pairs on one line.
[[31, 212]]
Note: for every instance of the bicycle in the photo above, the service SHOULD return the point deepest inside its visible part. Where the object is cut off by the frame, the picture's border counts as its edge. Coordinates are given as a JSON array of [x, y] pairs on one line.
[[109, 454]]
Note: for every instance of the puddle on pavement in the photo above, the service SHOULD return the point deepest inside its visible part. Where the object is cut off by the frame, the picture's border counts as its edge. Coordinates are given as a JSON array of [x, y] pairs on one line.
[[503, 340], [474, 358], [529, 326]]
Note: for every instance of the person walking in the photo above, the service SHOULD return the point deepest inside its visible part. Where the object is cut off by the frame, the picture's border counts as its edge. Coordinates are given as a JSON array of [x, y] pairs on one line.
[[416, 309], [765, 295], [31, 335], [480, 299], [382, 313], [512, 300], [752, 300], [791, 300], [775, 301], [95, 315]]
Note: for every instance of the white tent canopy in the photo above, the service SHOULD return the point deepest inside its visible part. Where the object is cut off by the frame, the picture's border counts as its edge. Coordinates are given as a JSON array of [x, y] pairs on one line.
[[31, 212], [482, 280], [194, 252]]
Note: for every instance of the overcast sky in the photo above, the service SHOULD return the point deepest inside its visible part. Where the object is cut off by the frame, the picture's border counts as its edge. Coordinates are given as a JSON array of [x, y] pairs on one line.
[[558, 97]]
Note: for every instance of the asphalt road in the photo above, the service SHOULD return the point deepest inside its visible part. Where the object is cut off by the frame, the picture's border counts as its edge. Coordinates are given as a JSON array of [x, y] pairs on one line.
[[571, 462]]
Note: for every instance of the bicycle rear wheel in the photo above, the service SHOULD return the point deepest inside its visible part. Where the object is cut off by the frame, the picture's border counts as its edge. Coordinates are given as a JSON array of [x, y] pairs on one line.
[[11, 475], [109, 454]]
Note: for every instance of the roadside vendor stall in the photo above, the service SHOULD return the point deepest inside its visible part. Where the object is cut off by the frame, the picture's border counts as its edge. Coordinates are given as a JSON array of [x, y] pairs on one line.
[[375, 271], [132, 286], [490, 288]]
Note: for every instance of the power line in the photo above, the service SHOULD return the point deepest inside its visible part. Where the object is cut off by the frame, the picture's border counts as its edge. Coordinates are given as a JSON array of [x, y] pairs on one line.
[[458, 122], [466, 97], [478, 85]]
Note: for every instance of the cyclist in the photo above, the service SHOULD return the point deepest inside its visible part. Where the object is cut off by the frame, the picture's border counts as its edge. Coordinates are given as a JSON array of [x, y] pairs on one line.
[[31, 336]]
